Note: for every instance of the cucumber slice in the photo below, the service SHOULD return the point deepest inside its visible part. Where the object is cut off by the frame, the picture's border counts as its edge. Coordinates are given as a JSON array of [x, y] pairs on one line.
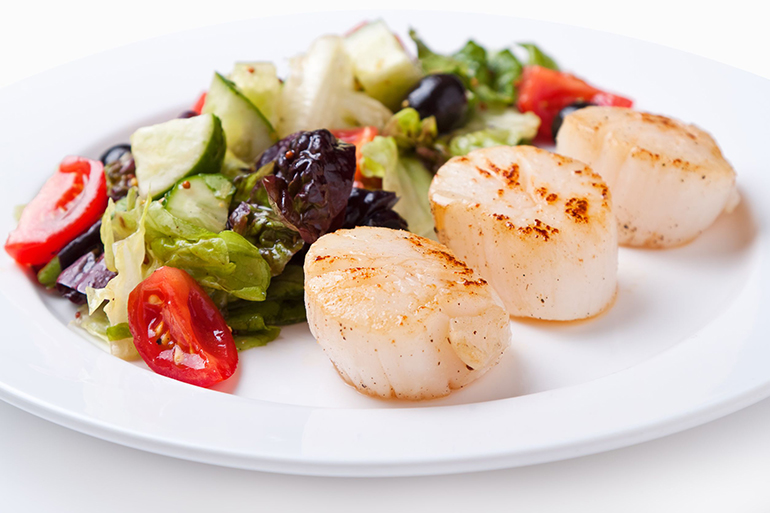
[[167, 152], [381, 65], [258, 81], [248, 132], [203, 200]]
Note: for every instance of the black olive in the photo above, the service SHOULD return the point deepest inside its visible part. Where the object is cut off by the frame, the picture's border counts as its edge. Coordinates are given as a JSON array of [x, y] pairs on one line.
[[187, 114], [442, 96], [566, 111], [114, 153]]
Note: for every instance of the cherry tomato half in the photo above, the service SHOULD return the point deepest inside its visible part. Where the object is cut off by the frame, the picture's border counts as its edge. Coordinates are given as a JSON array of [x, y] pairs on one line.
[[178, 331], [69, 203], [358, 137], [545, 92]]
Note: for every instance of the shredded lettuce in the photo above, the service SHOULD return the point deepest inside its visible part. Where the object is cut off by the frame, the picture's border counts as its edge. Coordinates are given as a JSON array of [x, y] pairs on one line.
[[97, 324], [320, 92], [125, 257], [405, 175], [410, 180]]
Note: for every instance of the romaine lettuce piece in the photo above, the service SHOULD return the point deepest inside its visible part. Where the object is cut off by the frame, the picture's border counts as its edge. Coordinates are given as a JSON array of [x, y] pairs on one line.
[[507, 127], [406, 176], [319, 92], [224, 261]]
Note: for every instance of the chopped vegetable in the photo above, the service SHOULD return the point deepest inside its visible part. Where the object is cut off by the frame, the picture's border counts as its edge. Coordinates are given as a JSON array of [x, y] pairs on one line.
[[545, 92], [120, 171], [203, 200], [258, 81], [70, 202], [380, 64], [495, 128], [48, 274], [311, 183], [87, 271], [319, 92], [178, 331], [358, 137], [441, 96], [409, 130], [247, 129], [373, 208], [489, 79], [261, 226], [404, 175], [167, 152]]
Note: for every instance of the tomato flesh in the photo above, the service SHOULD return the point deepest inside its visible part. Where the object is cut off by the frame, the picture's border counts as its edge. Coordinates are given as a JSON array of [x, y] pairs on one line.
[[178, 331], [69, 203], [358, 137], [545, 92]]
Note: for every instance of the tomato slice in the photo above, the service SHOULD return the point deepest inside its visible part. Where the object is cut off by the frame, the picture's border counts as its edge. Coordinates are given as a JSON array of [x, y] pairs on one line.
[[178, 331], [198, 107], [69, 203], [545, 92], [359, 137]]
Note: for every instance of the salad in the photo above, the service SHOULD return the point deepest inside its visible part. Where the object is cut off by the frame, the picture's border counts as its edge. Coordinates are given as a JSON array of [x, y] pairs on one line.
[[185, 245]]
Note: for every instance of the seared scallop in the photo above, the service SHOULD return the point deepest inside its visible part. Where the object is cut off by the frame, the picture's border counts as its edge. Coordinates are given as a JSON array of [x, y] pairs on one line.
[[537, 226], [669, 180], [398, 315]]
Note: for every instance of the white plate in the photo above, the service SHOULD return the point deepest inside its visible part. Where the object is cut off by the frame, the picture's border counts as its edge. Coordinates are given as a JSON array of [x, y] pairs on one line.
[[685, 343]]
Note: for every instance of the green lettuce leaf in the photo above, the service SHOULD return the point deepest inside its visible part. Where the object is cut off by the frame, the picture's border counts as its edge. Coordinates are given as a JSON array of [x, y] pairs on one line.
[[379, 157], [539, 58], [224, 261], [409, 131], [288, 285], [490, 78], [506, 127], [404, 174], [256, 338], [143, 235]]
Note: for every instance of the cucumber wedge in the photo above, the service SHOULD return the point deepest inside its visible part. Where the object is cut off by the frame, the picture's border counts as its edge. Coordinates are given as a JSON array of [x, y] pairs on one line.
[[258, 81], [381, 65], [170, 151], [203, 200], [248, 132]]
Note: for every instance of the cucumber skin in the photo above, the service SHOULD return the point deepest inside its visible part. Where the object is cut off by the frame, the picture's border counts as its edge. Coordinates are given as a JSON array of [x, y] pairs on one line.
[[214, 154], [270, 132], [212, 159]]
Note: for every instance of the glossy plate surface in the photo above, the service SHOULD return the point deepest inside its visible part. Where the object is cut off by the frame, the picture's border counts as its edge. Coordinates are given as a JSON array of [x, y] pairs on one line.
[[685, 343]]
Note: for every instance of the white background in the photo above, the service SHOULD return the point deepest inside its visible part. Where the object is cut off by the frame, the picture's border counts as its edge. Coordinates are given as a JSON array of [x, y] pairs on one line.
[[722, 466]]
